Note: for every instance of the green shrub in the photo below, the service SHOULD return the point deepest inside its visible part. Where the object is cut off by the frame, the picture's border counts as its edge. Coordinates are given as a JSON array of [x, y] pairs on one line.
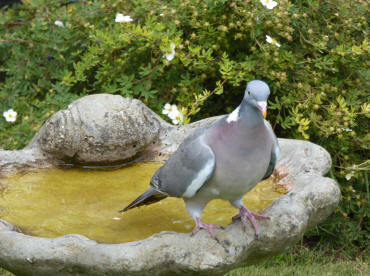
[[318, 76]]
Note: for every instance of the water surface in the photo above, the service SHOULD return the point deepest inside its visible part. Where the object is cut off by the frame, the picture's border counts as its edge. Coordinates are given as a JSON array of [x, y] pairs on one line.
[[56, 202]]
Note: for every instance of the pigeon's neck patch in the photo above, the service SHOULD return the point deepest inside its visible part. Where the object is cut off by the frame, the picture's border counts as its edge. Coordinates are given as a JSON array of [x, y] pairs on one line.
[[233, 116]]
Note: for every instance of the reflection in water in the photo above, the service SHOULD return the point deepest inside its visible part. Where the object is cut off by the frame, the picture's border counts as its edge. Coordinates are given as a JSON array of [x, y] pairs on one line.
[[57, 202]]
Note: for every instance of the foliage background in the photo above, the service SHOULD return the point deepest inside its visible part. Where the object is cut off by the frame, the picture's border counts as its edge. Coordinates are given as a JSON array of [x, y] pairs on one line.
[[319, 77]]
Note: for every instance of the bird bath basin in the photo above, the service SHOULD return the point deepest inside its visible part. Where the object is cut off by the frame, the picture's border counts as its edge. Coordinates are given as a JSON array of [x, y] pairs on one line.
[[55, 202], [105, 131]]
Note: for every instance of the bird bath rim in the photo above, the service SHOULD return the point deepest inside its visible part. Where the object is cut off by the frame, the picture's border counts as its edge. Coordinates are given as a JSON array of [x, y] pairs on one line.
[[306, 168], [90, 130]]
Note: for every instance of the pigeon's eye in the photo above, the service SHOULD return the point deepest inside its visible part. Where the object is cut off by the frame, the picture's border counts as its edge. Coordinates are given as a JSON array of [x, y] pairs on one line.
[[249, 93]]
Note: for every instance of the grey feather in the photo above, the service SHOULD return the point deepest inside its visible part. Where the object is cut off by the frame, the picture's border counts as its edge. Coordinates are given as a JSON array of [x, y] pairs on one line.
[[184, 166], [274, 153]]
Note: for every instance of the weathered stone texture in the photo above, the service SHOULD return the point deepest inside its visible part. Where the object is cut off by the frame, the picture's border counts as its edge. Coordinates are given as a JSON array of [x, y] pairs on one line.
[[99, 129]]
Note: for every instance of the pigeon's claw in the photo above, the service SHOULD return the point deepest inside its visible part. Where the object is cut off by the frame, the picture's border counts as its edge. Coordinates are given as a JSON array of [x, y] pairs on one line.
[[209, 227], [244, 214]]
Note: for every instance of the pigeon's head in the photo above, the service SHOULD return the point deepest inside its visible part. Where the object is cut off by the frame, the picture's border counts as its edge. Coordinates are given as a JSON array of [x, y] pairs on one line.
[[256, 94]]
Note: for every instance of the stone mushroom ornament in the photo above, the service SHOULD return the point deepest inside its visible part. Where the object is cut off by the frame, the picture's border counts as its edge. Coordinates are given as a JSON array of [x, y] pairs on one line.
[[224, 160]]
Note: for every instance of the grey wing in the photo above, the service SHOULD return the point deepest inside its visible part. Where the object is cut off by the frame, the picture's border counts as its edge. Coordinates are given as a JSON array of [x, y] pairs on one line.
[[274, 153], [186, 170]]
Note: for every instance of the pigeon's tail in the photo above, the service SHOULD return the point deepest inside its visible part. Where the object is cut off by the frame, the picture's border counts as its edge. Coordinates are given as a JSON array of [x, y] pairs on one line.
[[148, 197]]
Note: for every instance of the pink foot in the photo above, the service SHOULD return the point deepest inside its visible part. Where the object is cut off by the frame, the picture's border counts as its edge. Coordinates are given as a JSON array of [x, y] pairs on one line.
[[244, 214], [208, 227]]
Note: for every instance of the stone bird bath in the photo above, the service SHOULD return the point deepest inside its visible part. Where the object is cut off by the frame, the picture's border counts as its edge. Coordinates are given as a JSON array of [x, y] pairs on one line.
[[107, 131]]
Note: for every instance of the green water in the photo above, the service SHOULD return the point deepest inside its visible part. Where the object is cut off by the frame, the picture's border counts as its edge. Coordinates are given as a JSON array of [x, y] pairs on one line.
[[56, 202]]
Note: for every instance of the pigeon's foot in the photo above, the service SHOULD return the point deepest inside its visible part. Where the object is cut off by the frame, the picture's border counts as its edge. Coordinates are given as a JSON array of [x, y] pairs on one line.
[[244, 214], [280, 172], [209, 227]]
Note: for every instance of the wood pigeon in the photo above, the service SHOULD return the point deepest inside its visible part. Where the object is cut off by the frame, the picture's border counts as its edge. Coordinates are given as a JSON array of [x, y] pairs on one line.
[[224, 160]]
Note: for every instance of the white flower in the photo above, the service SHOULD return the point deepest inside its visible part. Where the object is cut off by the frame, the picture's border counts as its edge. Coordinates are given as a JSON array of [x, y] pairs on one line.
[[59, 23], [123, 18], [178, 117], [166, 108], [272, 41], [170, 110], [161, 14], [170, 55], [173, 113], [270, 4], [10, 115], [347, 129]]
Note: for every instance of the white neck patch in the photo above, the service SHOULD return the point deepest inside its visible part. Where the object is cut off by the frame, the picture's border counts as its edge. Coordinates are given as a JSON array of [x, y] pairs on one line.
[[233, 116]]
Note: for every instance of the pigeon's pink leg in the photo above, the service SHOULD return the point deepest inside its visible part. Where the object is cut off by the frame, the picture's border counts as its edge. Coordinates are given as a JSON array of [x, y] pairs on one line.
[[208, 227], [244, 214]]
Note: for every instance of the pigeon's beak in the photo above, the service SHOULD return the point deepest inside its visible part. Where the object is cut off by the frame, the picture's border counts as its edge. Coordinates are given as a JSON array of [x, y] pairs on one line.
[[262, 105]]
